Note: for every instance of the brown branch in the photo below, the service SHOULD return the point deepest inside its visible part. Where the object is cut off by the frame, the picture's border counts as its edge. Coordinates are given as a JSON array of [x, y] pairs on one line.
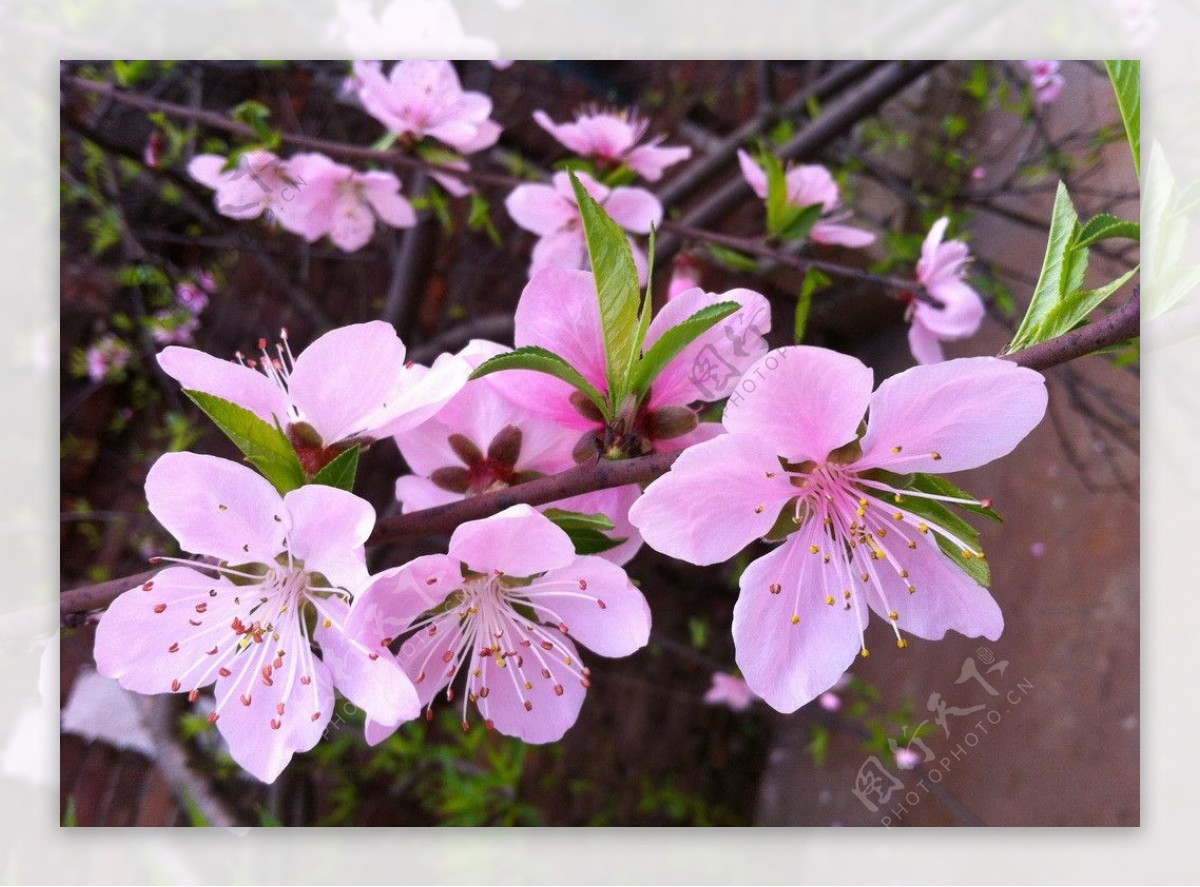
[[1121, 325]]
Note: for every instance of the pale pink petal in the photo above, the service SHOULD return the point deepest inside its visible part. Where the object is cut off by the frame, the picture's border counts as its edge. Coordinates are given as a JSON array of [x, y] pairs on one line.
[[394, 599], [214, 506], [207, 169], [717, 498], [518, 542], [569, 134], [755, 176], [924, 345], [843, 235], [597, 603], [328, 529], [561, 249], [486, 133], [540, 209], [351, 224], [789, 661], [149, 639], [805, 401], [702, 432], [946, 598], [417, 394], [344, 376], [368, 676], [810, 184], [634, 209], [539, 713], [559, 311], [230, 381], [415, 493], [302, 710], [961, 315], [709, 368], [952, 416], [383, 191], [649, 161]]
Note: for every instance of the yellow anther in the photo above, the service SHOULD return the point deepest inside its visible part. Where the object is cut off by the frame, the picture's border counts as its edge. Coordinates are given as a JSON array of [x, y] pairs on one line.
[[967, 554], [529, 685], [865, 652], [829, 599], [846, 594], [897, 449], [904, 574], [935, 456], [912, 589], [501, 662], [861, 512], [893, 615], [912, 543], [327, 623], [814, 549], [866, 577], [898, 498], [863, 502], [901, 643], [881, 532], [795, 620], [826, 558], [759, 509], [924, 528], [899, 515]]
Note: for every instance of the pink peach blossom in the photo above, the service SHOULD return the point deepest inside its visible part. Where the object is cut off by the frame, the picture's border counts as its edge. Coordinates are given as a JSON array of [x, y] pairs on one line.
[[612, 138], [298, 556], [1045, 80], [794, 448], [809, 185], [480, 609], [730, 691], [351, 385], [550, 211], [258, 183], [941, 270]]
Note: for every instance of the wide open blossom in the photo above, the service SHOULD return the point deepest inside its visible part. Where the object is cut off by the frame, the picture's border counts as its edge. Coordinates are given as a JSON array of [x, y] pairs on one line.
[[296, 556], [480, 442], [338, 201], [941, 270], [258, 183], [612, 138], [481, 609], [1045, 80], [550, 211], [559, 311], [809, 185], [795, 450], [425, 98], [349, 386]]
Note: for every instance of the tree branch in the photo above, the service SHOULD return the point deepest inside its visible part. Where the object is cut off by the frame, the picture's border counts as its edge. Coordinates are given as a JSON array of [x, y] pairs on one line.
[[1122, 324]]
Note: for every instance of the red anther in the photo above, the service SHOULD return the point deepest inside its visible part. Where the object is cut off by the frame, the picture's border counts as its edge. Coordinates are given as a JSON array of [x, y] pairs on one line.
[[546, 673], [275, 724], [193, 695], [372, 656], [432, 580], [212, 718], [224, 672], [195, 622], [262, 344], [489, 725], [386, 642], [266, 671], [174, 648], [447, 656], [279, 708], [201, 607], [776, 588], [546, 645], [278, 663], [160, 608], [420, 678], [175, 685], [246, 699], [305, 680], [558, 689], [429, 714], [603, 606], [562, 626], [149, 585], [528, 705], [156, 559], [586, 682], [483, 692], [449, 694], [267, 682], [466, 725], [316, 716]]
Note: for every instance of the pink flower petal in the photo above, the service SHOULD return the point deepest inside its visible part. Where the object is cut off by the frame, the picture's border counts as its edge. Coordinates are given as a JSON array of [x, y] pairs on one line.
[[537, 713], [328, 529], [518, 542], [717, 498], [562, 249], [805, 401], [383, 191], [568, 134], [810, 184], [540, 209], [418, 394], [214, 506], [634, 209], [231, 381], [964, 412], [789, 663], [649, 161], [394, 599], [207, 169], [924, 345], [559, 311], [945, 599], [596, 601], [961, 315], [415, 493], [843, 235], [614, 502], [755, 175]]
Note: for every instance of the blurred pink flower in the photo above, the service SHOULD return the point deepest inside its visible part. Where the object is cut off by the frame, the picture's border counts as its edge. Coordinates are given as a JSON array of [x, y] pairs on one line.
[[830, 701], [940, 270], [793, 448], [809, 185], [106, 356], [299, 556], [1045, 80], [612, 138], [336, 200], [481, 609], [424, 98], [258, 183], [684, 276], [730, 691], [550, 211], [907, 758]]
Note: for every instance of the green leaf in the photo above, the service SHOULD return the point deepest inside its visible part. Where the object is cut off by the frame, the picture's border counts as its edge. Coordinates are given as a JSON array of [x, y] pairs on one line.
[[731, 258], [1058, 270], [265, 447], [616, 288], [939, 486], [1080, 303], [798, 221], [577, 520], [256, 115], [1107, 227], [341, 471], [812, 280], [777, 191], [593, 541], [673, 341], [1126, 79], [540, 360]]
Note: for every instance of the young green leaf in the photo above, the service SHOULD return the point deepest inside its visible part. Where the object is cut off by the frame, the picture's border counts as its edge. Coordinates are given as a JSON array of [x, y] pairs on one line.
[[731, 258], [1126, 79], [616, 288], [593, 541], [1079, 304], [1107, 227], [540, 360], [936, 513], [939, 486], [1058, 269], [340, 472], [798, 221], [674, 340], [577, 520], [813, 279], [265, 447]]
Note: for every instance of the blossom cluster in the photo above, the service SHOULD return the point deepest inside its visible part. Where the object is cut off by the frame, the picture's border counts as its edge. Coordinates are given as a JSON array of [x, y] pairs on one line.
[[278, 611]]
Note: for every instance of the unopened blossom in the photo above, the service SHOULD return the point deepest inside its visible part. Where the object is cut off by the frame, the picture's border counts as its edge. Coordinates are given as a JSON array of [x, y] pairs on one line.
[[425, 98], [258, 183], [174, 327], [730, 691], [550, 211], [1045, 80], [286, 563], [809, 185], [494, 622], [481, 442], [795, 451], [342, 203], [106, 357], [941, 271], [350, 386], [559, 311], [613, 139]]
